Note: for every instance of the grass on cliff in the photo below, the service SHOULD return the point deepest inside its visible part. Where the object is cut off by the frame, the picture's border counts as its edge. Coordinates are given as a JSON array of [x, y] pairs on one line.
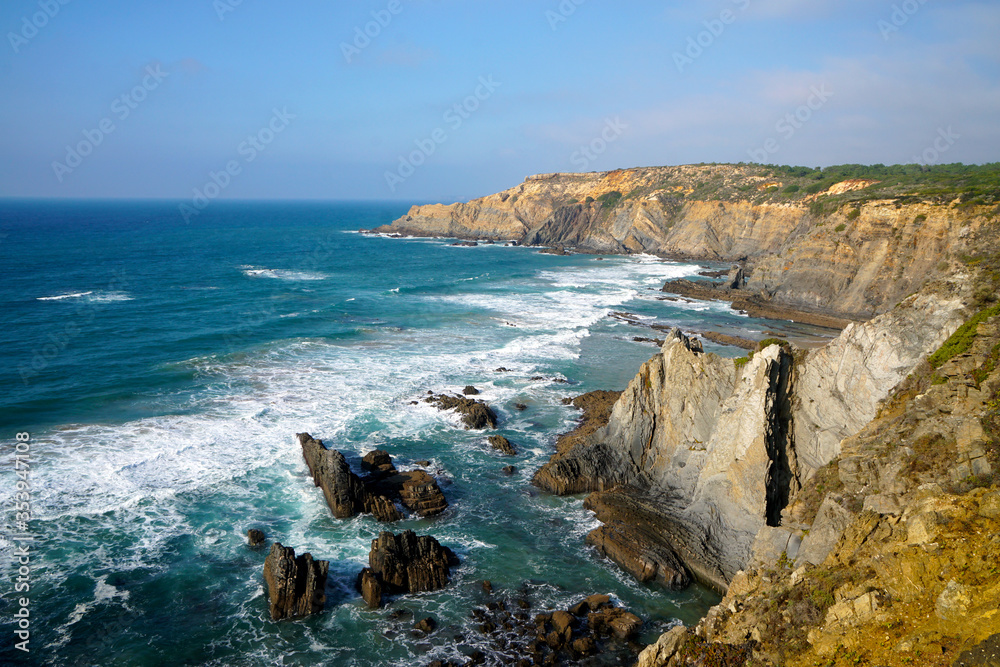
[[961, 341]]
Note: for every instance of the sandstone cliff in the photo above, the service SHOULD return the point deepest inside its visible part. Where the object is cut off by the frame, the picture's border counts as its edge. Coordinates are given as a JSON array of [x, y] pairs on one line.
[[844, 251]]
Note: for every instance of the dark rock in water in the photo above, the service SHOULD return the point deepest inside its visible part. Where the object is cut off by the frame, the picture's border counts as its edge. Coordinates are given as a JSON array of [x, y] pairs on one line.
[[426, 625], [423, 463], [465, 244], [502, 444], [296, 585], [470, 391], [421, 494], [371, 588], [488, 587], [255, 537], [379, 461], [475, 414], [382, 508], [521, 406], [502, 369], [508, 470], [349, 495], [557, 250], [343, 490], [405, 563], [713, 274]]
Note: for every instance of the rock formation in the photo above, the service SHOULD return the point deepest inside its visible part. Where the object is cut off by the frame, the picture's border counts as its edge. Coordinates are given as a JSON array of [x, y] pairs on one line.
[[349, 495], [404, 563], [689, 482], [296, 585], [255, 537], [502, 445], [475, 414]]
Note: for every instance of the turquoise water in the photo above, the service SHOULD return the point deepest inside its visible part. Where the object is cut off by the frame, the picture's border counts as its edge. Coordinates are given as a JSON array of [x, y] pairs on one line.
[[164, 368]]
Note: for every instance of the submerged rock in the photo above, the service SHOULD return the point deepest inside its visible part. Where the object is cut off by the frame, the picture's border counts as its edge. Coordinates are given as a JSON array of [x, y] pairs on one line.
[[475, 414], [502, 444], [296, 585]]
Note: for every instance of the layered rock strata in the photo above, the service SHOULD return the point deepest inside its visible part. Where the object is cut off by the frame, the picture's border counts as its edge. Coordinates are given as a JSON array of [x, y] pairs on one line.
[[296, 585], [701, 454], [404, 563], [855, 261]]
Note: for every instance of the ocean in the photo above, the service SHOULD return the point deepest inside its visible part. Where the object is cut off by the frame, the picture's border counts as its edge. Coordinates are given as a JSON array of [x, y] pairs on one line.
[[163, 368]]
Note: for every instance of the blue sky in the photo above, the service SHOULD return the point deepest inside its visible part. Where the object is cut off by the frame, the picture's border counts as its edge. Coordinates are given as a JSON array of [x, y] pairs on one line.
[[208, 84]]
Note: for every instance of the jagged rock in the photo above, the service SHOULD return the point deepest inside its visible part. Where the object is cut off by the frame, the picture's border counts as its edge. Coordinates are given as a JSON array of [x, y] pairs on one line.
[[660, 653], [371, 588], [736, 278], [509, 470], [348, 495], [475, 414], [405, 563], [343, 490], [296, 585], [470, 391], [382, 508], [420, 493], [706, 467], [502, 444], [378, 461], [255, 537], [521, 406]]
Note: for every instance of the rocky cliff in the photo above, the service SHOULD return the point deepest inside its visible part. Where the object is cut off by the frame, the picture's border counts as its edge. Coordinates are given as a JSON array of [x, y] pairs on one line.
[[890, 552], [701, 475], [855, 249]]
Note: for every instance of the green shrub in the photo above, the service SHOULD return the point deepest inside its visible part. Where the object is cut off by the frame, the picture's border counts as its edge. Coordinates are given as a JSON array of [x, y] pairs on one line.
[[816, 209], [839, 228], [920, 218], [609, 200], [962, 340], [853, 214], [791, 189]]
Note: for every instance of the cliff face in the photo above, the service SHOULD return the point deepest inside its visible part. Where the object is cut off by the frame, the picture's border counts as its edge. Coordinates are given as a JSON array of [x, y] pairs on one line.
[[853, 260], [704, 453], [901, 538]]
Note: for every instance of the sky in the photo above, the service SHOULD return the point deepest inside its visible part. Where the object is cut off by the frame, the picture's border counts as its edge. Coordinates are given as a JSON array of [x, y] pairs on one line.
[[447, 100]]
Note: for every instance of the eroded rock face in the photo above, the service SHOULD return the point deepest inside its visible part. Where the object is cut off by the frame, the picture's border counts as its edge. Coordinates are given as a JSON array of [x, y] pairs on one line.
[[856, 267], [296, 585], [715, 453], [838, 387], [405, 563], [343, 490]]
